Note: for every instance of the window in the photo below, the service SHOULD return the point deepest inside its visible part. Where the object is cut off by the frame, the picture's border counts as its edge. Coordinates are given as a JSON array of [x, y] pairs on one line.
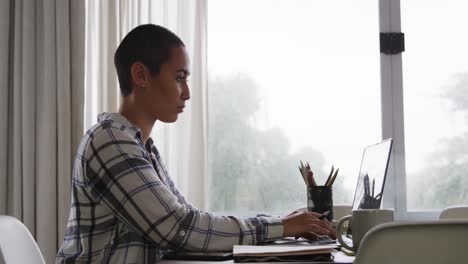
[[289, 81], [304, 80], [435, 92]]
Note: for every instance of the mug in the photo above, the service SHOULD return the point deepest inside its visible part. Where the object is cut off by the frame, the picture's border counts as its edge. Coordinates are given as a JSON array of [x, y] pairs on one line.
[[361, 221]]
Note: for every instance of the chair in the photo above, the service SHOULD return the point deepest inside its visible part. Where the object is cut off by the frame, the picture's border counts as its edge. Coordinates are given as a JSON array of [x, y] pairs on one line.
[[415, 242], [16, 243], [454, 212]]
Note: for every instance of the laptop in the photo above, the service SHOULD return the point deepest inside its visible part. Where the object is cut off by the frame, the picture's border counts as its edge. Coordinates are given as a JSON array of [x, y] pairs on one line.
[[372, 175], [371, 180]]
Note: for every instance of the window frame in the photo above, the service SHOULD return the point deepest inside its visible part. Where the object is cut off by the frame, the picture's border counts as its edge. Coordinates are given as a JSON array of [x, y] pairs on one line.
[[393, 119]]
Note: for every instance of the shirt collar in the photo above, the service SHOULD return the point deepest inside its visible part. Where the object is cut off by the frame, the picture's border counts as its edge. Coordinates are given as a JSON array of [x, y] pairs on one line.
[[120, 119]]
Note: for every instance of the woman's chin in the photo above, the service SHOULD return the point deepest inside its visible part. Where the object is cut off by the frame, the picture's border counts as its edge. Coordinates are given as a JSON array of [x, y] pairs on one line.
[[169, 119]]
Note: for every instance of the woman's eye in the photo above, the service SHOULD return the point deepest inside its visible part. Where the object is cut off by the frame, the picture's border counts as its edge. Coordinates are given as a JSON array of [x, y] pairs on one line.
[[181, 79]]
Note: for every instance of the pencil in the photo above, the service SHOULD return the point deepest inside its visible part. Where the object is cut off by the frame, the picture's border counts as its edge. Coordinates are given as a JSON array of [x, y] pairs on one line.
[[303, 177], [334, 177], [324, 215], [310, 175]]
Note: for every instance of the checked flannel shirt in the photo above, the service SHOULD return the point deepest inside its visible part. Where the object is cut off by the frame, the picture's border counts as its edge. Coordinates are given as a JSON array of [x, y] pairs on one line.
[[126, 209]]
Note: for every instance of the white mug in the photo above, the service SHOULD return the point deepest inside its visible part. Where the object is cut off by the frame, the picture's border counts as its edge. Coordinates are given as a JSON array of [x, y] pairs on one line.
[[361, 221]]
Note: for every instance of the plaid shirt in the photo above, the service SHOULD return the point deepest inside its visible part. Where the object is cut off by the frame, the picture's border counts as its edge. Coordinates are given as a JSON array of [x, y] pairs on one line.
[[126, 209]]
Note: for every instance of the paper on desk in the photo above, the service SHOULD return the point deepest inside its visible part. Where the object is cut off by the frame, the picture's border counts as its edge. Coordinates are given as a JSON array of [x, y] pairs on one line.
[[241, 250]]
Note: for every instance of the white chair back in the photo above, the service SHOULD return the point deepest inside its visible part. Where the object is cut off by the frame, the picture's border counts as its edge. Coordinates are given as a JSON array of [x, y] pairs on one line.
[[16, 243], [416, 242], [454, 212]]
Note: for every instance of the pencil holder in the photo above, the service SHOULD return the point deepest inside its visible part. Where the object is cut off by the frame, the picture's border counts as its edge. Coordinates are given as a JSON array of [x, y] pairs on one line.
[[320, 200]]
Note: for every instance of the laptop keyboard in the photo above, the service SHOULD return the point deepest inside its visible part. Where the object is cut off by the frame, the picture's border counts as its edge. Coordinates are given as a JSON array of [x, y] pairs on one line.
[[322, 240]]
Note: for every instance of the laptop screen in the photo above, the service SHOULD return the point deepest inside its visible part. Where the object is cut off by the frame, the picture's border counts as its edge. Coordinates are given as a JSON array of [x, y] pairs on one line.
[[372, 174]]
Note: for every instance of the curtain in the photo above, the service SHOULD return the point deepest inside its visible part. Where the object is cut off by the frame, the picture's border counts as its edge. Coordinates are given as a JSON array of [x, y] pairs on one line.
[[182, 144], [41, 112]]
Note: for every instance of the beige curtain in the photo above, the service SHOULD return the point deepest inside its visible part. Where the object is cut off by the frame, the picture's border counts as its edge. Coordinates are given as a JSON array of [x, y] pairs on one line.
[[182, 144], [41, 112]]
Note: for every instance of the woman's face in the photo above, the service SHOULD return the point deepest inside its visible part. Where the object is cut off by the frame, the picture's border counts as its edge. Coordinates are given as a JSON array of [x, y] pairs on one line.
[[165, 95]]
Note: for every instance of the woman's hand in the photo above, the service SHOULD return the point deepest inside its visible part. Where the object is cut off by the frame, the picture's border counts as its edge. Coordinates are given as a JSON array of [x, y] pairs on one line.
[[306, 224], [300, 209]]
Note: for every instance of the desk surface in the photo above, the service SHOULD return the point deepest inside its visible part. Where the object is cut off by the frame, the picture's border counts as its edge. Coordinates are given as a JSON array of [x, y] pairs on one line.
[[339, 257]]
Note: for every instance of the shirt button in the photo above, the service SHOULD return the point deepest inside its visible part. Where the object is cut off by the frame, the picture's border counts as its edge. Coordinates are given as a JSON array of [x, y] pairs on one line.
[[182, 233]]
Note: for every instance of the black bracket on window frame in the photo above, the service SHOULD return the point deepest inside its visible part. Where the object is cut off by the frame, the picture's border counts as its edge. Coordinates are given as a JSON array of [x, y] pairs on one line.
[[392, 43]]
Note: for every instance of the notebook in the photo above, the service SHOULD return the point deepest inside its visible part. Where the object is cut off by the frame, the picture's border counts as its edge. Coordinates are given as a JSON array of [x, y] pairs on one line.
[[280, 253], [372, 175]]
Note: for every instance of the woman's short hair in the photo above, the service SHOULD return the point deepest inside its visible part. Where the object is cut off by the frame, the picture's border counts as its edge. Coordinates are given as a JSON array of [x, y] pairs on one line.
[[148, 44]]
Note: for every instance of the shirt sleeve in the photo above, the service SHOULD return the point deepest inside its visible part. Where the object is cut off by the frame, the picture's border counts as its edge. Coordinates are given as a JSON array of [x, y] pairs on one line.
[[176, 192], [122, 178], [170, 183]]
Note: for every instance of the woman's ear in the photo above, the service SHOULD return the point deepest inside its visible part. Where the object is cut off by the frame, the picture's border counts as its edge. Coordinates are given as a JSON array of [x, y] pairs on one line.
[[139, 74]]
